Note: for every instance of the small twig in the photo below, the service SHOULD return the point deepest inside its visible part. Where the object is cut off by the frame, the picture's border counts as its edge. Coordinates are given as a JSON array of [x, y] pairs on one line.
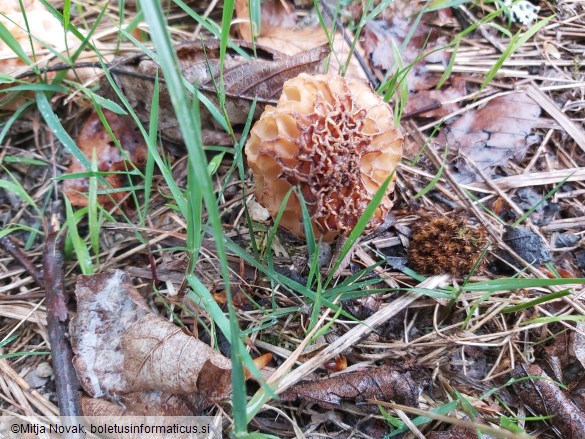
[[10, 246], [57, 322]]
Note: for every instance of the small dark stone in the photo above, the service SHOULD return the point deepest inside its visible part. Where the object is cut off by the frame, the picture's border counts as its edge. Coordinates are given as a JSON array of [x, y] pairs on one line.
[[528, 245], [567, 240], [580, 259], [397, 263]]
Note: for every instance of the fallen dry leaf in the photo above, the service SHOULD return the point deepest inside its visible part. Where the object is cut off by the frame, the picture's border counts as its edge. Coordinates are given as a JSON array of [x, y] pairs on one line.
[[138, 404], [381, 383], [245, 80], [492, 135], [380, 36], [95, 138], [436, 103], [278, 30], [124, 352]]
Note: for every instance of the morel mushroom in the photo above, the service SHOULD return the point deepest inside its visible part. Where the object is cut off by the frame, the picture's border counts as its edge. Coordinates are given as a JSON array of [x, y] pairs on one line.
[[335, 139]]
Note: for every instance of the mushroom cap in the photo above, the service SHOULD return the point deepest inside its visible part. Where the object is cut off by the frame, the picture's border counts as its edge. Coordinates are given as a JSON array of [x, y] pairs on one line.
[[336, 140]]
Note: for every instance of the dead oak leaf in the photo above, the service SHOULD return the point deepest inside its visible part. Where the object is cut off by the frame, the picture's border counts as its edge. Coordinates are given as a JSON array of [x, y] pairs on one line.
[[383, 38]]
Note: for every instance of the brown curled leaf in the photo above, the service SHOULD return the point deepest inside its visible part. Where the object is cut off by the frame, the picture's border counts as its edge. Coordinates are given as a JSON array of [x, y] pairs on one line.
[[382, 383], [159, 356], [155, 403]]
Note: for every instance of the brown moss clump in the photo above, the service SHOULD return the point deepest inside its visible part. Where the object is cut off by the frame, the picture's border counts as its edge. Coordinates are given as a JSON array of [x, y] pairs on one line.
[[445, 245], [333, 138]]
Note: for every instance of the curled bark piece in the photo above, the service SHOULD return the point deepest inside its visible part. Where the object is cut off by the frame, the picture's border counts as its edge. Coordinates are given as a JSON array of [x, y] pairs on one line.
[[545, 398]]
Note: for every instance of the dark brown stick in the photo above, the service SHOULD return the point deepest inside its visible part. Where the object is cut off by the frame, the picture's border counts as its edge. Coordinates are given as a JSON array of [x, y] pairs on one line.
[[57, 320], [10, 246]]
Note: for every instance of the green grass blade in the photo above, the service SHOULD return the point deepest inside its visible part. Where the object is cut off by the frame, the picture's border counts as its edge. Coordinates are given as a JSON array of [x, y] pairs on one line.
[[435, 179], [516, 284], [538, 301], [197, 161], [516, 42], [55, 125], [360, 226], [79, 246], [13, 45]]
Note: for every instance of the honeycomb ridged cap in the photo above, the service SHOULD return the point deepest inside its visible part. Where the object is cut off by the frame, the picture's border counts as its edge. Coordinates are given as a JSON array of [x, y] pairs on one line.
[[335, 139]]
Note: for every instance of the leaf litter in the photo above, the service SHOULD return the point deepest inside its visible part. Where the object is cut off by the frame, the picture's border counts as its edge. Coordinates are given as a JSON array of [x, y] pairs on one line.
[[470, 347]]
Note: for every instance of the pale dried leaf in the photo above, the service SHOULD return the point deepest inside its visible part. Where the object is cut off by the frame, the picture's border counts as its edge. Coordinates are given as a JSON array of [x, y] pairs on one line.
[[107, 305], [494, 134], [122, 349], [42, 24], [293, 41]]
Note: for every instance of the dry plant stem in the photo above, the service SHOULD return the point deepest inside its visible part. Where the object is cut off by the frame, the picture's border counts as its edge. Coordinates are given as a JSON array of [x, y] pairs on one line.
[[530, 179], [563, 120], [413, 429], [357, 333], [65, 377], [10, 246], [40, 403]]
